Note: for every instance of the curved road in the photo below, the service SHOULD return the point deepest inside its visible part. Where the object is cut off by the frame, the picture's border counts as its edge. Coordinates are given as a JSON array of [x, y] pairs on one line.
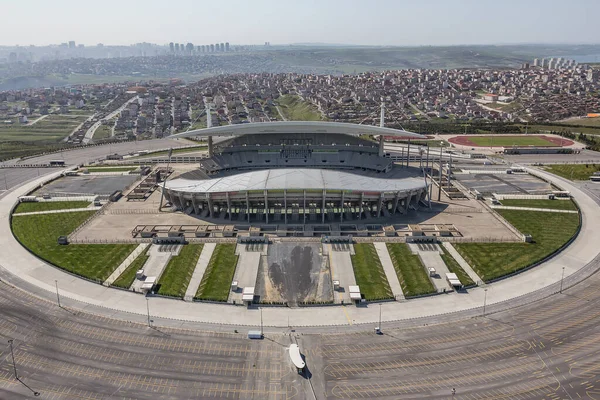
[[548, 349]]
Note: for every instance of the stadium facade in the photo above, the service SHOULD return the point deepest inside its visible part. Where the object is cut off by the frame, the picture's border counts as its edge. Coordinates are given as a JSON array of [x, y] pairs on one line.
[[297, 172]]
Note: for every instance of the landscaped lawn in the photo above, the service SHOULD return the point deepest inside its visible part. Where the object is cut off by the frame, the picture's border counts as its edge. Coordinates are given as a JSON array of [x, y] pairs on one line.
[[412, 275], [507, 141], [369, 273], [218, 276], [39, 233], [128, 276], [49, 206], [576, 172], [178, 272], [549, 231], [550, 204], [454, 267]]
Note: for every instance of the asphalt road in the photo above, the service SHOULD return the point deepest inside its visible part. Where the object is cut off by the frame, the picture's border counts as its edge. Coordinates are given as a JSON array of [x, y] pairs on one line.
[[548, 350]]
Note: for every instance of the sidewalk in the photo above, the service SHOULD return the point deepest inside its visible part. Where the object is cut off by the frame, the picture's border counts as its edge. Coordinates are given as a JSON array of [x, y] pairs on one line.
[[390, 271], [22, 268], [203, 260]]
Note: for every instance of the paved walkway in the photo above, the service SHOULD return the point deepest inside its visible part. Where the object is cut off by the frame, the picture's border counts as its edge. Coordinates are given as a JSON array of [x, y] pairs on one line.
[[19, 267], [126, 263], [533, 209], [203, 260], [432, 259], [155, 265], [60, 211], [390, 271], [462, 262], [246, 271], [340, 265]]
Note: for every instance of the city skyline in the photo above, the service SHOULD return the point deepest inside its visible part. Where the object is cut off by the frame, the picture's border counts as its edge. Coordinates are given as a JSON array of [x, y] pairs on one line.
[[384, 23]]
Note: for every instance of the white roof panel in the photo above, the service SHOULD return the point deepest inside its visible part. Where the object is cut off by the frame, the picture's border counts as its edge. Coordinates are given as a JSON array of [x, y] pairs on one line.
[[301, 178]]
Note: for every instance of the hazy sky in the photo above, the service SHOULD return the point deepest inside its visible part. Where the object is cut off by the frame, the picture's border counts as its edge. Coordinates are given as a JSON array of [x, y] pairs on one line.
[[372, 22]]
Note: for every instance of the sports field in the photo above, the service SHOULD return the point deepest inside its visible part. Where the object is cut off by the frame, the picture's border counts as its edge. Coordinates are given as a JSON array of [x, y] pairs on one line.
[[509, 140]]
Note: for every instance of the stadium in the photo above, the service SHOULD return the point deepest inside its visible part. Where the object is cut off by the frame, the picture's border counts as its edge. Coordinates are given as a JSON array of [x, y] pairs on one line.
[[297, 172]]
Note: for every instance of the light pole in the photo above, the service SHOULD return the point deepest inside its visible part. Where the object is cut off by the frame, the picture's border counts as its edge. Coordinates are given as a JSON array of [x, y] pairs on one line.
[[162, 193], [562, 278], [484, 300], [10, 342], [440, 182], [57, 295], [148, 310], [261, 322], [379, 327]]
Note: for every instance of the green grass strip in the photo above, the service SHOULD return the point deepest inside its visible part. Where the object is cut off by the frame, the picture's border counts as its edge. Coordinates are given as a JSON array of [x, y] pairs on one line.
[[49, 206], [128, 276], [178, 272], [369, 273], [548, 204], [549, 231], [454, 267], [219, 273], [412, 275], [39, 233]]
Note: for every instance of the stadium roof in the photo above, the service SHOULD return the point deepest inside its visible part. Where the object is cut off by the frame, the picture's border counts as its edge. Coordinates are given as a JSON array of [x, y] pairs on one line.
[[303, 178], [296, 127]]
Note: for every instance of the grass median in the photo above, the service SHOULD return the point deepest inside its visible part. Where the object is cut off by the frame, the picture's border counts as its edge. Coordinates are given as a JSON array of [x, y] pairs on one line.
[[49, 206], [412, 275], [216, 282], [125, 280], [548, 204], [39, 233], [575, 172], [454, 267], [369, 273], [549, 231], [178, 272]]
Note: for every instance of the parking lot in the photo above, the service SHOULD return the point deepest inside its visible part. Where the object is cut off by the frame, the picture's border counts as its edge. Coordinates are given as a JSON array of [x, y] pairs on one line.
[[503, 183], [87, 185]]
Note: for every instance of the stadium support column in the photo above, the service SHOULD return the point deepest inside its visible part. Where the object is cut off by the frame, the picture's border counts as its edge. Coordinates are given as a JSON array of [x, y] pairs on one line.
[[323, 207], [266, 207], [210, 205], [285, 206], [360, 206], [182, 201], [195, 205], [440, 182], [228, 205], [210, 146], [396, 200], [408, 153], [248, 206], [380, 206], [380, 145], [304, 209], [342, 208], [408, 199]]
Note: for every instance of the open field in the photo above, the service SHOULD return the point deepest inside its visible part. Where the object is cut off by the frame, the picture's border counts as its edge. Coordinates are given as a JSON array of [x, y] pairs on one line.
[[410, 270], [10, 150], [576, 172], [294, 109], [103, 132], [39, 233], [128, 276], [217, 278], [178, 272], [369, 273], [594, 122], [549, 231], [454, 267], [550, 204], [49, 206], [51, 129]]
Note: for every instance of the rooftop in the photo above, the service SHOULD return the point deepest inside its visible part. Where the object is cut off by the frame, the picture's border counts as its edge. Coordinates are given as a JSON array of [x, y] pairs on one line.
[[301, 178]]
